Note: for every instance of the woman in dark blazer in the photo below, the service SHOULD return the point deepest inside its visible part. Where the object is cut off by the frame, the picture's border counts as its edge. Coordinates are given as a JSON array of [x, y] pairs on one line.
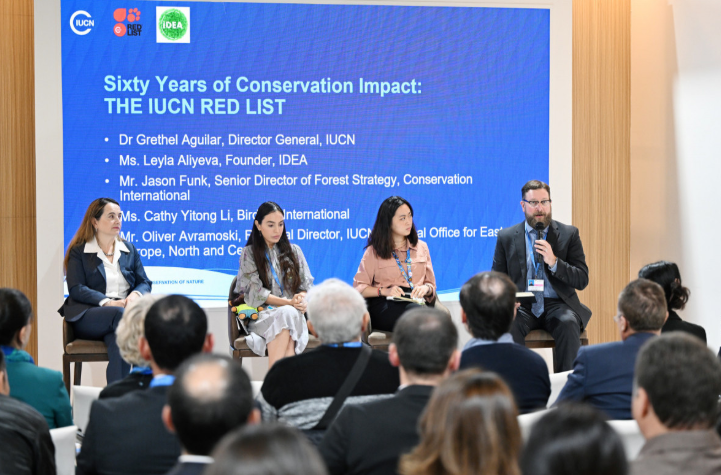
[[104, 274], [667, 275]]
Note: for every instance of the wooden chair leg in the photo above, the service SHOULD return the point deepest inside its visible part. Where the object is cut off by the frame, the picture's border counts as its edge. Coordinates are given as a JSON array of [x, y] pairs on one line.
[[78, 373], [66, 372]]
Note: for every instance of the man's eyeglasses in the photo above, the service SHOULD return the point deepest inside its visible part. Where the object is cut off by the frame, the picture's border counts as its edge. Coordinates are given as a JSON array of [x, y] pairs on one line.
[[534, 203]]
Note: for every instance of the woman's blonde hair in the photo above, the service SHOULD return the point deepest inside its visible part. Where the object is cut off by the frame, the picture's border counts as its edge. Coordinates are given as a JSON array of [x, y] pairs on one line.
[[130, 329], [469, 427]]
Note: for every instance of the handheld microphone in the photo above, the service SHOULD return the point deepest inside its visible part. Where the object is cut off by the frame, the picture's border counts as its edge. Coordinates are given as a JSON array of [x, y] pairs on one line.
[[539, 229]]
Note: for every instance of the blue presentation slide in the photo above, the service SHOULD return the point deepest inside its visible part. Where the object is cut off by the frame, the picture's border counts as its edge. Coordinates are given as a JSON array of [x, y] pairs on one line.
[[192, 114]]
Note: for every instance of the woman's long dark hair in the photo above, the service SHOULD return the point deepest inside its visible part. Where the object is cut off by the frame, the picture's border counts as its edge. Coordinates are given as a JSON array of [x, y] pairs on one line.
[[288, 262], [381, 238], [667, 275]]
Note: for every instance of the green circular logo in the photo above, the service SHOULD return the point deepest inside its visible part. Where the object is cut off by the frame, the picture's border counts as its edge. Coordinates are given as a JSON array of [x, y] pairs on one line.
[[173, 24]]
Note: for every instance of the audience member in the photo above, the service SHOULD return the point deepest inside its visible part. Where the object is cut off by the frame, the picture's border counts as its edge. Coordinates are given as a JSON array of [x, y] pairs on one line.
[[127, 337], [211, 396], [469, 427], [573, 440], [266, 449], [603, 374], [126, 435], [25, 444], [667, 275], [369, 438], [41, 388], [488, 307], [299, 390], [677, 386]]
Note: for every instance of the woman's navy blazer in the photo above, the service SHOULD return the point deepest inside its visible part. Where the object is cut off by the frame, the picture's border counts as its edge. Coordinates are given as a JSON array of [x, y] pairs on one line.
[[86, 279]]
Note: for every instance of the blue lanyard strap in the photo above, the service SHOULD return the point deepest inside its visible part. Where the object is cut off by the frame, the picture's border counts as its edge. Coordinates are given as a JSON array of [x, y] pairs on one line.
[[141, 370], [275, 276], [164, 380], [347, 344], [536, 266], [406, 275]]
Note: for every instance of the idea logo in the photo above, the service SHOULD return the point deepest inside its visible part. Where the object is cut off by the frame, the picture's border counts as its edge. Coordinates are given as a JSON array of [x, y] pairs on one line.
[[173, 24], [132, 16]]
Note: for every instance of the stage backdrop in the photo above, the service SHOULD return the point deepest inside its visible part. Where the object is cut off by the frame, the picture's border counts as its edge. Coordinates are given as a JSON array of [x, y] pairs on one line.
[[192, 114]]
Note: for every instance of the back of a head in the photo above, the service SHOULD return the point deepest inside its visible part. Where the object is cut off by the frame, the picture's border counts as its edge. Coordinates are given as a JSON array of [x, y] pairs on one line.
[[425, 339], [336, 311], [667, 275], [15, 313], [682, 379], [643, 304], [573, 439], [131, 326], [211, 397], [469, 426], [175, 328], [488, 300], [266, 449]]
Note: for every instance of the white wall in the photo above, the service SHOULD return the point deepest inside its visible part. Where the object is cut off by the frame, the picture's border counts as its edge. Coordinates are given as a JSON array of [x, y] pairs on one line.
[[676, 146]]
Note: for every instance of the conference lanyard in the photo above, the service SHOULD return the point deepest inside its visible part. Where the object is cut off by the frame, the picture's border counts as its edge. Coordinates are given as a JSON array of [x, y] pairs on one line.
[[275, 276], [347, 344], [536, 266], [164, 380], [406, 275]]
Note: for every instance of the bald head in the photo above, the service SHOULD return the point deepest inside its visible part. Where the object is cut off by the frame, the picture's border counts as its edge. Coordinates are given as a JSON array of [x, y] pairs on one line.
[[206, 381], [211, 396]]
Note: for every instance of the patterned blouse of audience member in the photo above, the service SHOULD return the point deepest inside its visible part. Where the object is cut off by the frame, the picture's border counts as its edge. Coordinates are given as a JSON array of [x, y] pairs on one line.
[[667, 275], [266, 449], [573, 440], [470, 427], [274, 274], [128, 334], [41, 388]]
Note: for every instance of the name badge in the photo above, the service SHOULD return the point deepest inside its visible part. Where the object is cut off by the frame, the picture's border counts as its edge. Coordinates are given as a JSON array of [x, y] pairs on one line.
[[535, 285]]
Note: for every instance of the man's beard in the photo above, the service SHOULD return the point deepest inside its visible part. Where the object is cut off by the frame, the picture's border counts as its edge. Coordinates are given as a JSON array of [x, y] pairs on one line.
[[532, 220]]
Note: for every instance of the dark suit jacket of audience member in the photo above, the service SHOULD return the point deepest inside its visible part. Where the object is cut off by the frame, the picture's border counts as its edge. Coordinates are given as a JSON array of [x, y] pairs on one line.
[[603, 376], [188, 468], [87, 284], [25, 443], [131, 382], [674, 323], [522, 369], [369, 438], [126, 435]]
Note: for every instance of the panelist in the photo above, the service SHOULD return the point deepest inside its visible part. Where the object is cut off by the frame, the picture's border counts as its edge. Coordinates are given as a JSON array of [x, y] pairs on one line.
[[552, 266], [395, 264], [104, 274], [274, 274]]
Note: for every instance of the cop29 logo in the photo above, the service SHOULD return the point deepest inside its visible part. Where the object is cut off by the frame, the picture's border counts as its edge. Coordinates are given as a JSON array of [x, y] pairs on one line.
[[173, 24]]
